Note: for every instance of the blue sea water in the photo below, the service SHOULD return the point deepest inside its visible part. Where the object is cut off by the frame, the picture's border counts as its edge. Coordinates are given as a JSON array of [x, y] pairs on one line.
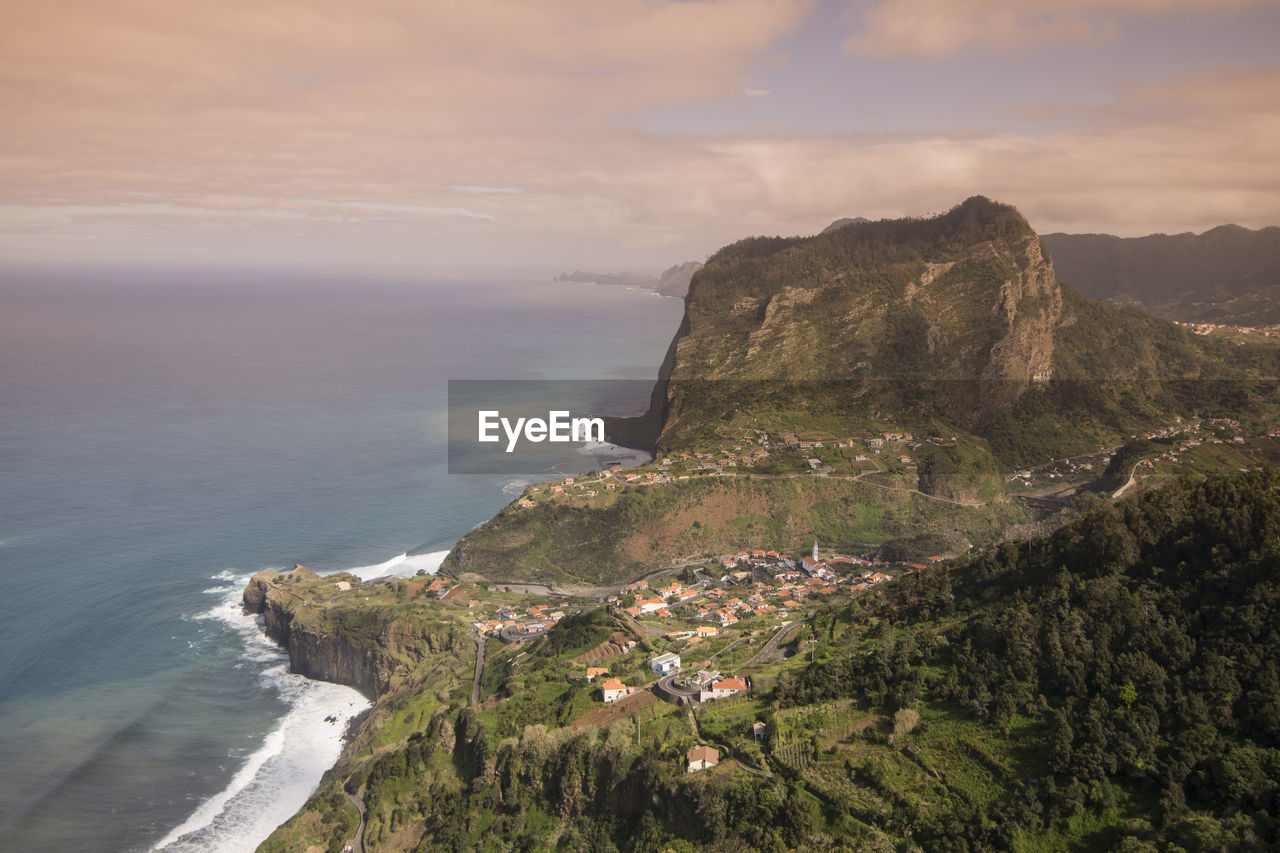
[[162, 438]]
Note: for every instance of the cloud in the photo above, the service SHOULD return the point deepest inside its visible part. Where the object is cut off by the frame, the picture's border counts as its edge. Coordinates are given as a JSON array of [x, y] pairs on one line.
[[404, 132], [1183, 154], [755, 93], [938, 29], [312, 93], [482, 189]]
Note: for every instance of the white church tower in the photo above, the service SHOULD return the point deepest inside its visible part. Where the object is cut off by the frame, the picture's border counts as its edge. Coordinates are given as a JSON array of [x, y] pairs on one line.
[[815, 550]]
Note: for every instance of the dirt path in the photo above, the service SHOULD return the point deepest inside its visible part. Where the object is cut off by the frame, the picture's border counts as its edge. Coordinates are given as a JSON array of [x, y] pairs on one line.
[[693, 721], [1128, 483]]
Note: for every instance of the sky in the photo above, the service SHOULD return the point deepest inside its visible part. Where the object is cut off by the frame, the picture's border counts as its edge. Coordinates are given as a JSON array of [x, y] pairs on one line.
[[412, 136]]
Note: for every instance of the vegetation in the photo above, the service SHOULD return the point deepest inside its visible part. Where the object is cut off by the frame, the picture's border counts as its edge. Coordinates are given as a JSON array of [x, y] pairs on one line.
[[650, 526], [1135, 646], [1111, 686], [1226, 275]]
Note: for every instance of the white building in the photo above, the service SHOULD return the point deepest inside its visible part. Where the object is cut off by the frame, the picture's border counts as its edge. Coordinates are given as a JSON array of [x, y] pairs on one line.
[[664, 664], [613, 690]]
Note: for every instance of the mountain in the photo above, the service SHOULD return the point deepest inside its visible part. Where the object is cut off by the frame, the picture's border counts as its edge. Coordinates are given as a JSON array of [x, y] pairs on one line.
[[948, 341], [624, 279], [958, 321], [673, 281], [1226, 275]]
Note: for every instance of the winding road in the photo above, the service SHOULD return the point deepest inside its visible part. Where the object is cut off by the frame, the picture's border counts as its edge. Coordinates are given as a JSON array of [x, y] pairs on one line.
[[357, 800]]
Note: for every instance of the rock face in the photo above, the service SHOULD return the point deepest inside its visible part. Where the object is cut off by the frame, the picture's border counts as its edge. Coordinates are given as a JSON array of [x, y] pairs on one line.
[[368, 649], [968, 299], [255, 593], [675, 280]]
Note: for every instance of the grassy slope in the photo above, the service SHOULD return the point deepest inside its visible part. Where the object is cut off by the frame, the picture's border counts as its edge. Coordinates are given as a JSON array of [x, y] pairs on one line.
[[648, 527]]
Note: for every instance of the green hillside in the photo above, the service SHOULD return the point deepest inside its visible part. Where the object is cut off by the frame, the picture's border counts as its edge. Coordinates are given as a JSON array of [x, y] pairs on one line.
[[1111, 687]]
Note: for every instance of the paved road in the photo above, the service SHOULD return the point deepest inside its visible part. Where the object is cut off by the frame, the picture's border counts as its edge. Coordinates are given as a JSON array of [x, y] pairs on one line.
[[475, 683], [357, 799], [667, 683], [730, 647], [771, 646]]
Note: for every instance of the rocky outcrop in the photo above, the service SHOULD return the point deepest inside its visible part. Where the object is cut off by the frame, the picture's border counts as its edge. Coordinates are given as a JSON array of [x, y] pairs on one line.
[[673, 281], [370, 649], [952, 316]]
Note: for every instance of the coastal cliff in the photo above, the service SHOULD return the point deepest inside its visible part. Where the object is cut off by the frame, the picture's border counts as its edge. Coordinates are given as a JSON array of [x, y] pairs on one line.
[[673, 281], [373, 648]]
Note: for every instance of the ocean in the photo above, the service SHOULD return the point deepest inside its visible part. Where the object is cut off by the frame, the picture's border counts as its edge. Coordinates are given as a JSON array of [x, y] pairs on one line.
[[164, 437]]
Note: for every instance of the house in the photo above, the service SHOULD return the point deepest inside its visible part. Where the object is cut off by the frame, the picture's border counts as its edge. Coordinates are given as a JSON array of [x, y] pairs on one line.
[[649, 605], [613, 690], [663, 664], [707, 630], [702, 758], [593, 671], [705, 677], [759, 729], [722, 689], [343, 586]]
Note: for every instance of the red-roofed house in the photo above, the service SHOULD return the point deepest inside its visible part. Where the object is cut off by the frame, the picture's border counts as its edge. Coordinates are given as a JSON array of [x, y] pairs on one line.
[[702, 758], [721, 689], [613, 690]]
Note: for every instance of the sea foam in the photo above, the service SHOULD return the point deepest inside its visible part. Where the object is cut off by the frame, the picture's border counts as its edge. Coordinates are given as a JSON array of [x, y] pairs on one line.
[[405, 565], [277, 778]]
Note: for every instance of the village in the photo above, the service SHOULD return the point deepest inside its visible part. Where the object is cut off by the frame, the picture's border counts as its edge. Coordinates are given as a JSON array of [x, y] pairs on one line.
[[1195, 444], [741, 603], [763, 585], [701, 633], [751, 452], [1205, 329]]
